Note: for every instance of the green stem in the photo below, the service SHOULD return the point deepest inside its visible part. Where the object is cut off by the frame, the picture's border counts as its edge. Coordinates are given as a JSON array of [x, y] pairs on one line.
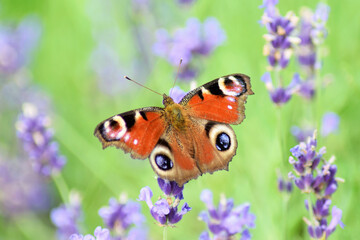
[[165, 233], [281, 137], [318, 85], [61, 187], [285, 210]]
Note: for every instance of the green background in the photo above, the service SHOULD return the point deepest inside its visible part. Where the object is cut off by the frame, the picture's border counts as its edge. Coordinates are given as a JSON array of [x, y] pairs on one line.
[[61, 68]]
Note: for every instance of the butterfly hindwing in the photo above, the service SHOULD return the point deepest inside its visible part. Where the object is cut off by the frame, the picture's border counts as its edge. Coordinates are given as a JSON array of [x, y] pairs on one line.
[[221, 100], [204, 147], [135, 131]]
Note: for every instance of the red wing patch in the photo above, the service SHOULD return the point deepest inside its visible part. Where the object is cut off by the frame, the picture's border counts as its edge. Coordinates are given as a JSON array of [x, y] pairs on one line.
[[221, 100], [136, 131], [216, 108]]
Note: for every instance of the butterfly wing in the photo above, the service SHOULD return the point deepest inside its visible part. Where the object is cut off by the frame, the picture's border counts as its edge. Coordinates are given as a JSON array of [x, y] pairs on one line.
[[184, 155], [221, 100], [136, 131]]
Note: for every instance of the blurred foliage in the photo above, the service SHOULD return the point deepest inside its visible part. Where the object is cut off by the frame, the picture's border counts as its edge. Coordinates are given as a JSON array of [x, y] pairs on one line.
[[61, 69]]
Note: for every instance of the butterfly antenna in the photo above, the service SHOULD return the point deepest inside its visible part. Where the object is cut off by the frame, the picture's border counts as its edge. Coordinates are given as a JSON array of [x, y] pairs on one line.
[[126, 77], [177, 74]]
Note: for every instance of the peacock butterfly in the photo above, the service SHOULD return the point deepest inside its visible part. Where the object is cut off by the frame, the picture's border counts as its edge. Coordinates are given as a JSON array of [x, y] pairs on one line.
[[186, 139]]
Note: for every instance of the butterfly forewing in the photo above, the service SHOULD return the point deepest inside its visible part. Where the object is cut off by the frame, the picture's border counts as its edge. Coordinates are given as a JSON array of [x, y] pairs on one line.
[[221, 100], [135, 131]]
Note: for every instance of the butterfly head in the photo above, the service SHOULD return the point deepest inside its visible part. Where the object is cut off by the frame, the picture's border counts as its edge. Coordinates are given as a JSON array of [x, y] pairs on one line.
[[167, 100]]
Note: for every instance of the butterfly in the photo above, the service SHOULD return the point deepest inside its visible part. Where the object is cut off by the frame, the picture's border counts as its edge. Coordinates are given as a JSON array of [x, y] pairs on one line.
[[186, 139]]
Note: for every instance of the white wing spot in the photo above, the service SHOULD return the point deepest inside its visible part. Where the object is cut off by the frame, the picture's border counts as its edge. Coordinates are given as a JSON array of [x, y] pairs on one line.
[[232, 78], [126, 138], [230, 107], [136, 141], [106, 126]]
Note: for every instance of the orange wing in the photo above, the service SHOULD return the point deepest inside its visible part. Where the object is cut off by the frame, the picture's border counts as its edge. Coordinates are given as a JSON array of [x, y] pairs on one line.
[[221, 100], [135, 131]]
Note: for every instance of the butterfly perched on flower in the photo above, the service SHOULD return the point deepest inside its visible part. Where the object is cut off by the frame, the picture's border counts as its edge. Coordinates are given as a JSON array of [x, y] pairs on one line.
[[186, 139]]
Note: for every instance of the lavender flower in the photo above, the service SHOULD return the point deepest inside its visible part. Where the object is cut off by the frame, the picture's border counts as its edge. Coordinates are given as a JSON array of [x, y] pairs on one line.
[[301, 134], [177, 94], [321, 181], [108, 69], [284, 185], [165, 211], [33, 130], [17, 43], [306, 52], [185, 2], [320, 18], [125, 219], [193, 41], [330, 123], [312, 34], [140, 4], [22, 189], [306, 88], [225, 221], [280, 39], [66, 217], [99, 234], [269, 4], [280, 95]]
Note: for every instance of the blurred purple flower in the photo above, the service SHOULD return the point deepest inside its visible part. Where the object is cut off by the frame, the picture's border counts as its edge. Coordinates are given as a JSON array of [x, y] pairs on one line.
[[279, 39], [301, 134], [269, 3], [307, 89], [99, 234], [66, 217], [22, 189], [177, 94], [124, 217], [316, 178], [140, 4], [165, 211], [319, 32], [280, 95], [37, 139], [306, 52], [270, 8], [194, 40], [284, 186], [186, 2], [17, 43], [108, 69], [330, 123], [226, 221], [312, 33], [335, 220]]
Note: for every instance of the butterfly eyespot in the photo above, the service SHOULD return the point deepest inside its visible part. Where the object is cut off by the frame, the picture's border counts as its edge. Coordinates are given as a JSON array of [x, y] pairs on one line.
[[161, 158], [114, 125], [222, 137], [163, 162], [223, 142]]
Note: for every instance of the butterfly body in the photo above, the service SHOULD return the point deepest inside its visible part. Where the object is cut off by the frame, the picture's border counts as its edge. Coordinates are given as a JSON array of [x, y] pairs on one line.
[[186, 139]]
